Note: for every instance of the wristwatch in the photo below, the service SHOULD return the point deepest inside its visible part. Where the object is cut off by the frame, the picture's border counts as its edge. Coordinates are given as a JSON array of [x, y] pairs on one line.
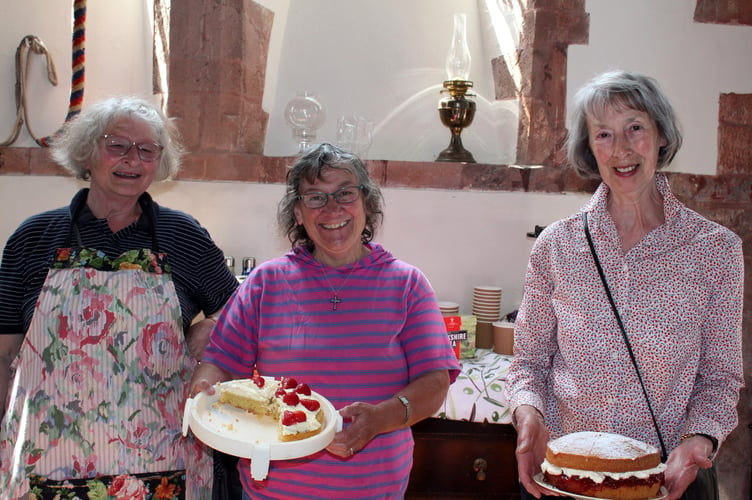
[[406, 403]]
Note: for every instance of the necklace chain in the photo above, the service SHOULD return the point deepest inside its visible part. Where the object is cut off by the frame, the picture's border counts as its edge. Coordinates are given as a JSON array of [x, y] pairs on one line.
[[335, 293]]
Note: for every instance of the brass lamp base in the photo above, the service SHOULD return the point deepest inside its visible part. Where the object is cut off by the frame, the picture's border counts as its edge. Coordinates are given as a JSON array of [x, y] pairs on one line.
[[456, 112], [455, 151]]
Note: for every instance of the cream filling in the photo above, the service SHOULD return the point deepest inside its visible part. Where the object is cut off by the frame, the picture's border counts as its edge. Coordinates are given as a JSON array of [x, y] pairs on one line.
[[266, 394], [250, 390], [599, 477], [311, 423]]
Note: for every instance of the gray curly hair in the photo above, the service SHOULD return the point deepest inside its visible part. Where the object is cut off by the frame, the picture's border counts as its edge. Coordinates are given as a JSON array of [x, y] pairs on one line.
[[76, 146], [309, 166]]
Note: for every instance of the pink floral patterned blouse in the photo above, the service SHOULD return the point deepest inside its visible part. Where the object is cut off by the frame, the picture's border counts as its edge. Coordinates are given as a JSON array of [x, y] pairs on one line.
[[679, 292]]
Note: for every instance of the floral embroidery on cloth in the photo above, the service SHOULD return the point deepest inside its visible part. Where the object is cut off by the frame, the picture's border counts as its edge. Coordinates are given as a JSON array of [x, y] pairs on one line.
[[123, 487], [144, 259]]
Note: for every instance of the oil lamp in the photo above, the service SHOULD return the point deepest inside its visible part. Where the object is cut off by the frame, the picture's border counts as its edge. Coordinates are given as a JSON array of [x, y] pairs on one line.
[[457, 109]]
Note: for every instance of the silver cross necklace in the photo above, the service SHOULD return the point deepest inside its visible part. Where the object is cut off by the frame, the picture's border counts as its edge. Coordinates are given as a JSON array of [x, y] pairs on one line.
[[335, 292], [335, 300]]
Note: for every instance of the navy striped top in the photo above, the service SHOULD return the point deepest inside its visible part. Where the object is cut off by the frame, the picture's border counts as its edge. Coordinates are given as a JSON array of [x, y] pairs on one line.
[[202, 279]]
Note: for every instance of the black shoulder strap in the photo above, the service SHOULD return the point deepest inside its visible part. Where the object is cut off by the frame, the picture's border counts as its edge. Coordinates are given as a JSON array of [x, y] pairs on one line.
[[623, 333]]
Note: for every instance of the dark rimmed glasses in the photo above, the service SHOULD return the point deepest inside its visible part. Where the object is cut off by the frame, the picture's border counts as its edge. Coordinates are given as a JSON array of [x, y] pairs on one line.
[[118, 145], [343, 196]]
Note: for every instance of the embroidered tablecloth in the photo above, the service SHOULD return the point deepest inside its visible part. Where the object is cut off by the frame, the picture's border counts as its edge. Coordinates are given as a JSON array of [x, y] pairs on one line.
[[478, 393]]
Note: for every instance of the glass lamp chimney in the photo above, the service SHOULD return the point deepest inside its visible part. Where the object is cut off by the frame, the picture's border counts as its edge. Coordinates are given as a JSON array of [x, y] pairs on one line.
[[458, 59]]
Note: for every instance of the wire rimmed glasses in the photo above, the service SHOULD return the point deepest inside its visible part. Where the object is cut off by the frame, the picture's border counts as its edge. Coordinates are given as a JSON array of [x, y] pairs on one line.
[[118, 145], [344, 196]]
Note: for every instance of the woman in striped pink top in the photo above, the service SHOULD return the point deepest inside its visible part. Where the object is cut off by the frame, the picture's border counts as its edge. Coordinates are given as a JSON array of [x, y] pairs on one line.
[[340, 312]]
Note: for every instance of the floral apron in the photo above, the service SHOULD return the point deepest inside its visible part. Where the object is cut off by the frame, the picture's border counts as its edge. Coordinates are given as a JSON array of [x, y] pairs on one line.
[[98, 389]]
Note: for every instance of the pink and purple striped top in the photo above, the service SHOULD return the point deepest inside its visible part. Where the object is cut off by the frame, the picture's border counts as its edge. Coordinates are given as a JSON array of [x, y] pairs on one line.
[[386, 331]]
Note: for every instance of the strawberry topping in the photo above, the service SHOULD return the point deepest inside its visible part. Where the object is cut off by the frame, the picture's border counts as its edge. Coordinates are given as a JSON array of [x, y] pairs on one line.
[[310, 404], [291, 399], [303, 389], [288, 383], [293, 417]]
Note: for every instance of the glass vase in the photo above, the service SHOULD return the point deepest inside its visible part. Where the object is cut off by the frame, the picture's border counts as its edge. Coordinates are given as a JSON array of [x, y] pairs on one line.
[[305, 115]]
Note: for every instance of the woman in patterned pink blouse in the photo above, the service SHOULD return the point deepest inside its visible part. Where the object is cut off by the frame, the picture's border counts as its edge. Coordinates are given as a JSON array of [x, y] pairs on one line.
[[676, 279]]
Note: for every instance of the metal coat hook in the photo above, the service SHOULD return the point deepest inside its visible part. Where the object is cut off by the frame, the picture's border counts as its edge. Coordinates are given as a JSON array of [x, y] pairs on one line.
[[536, 232]]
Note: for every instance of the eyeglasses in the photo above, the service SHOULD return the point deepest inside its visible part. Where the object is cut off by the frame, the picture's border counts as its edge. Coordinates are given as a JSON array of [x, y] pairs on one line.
[[120, 146], [343, 196]]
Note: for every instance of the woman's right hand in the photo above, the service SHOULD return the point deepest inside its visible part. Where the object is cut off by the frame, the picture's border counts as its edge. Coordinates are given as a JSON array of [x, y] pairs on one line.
[[204, 378], [201, 385], [532, 438]]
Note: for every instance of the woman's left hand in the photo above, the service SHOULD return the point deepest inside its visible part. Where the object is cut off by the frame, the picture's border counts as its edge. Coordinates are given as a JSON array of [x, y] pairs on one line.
[[366, 421], [684, 462], [197, 336], [365, 424]]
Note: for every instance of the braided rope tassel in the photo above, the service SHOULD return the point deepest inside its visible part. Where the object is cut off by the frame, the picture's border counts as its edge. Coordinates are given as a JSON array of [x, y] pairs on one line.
[[79, 50], [77, 64]]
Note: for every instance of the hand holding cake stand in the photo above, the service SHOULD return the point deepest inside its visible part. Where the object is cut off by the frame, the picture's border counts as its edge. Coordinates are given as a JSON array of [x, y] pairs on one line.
[[236, 432]]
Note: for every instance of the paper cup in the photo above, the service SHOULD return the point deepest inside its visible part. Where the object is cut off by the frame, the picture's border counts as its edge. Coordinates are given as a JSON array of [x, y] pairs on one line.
[[483, 335], [503, 337]]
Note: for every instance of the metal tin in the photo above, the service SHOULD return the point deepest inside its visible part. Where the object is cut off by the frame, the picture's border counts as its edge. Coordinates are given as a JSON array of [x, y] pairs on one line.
[[248, 264], [230, 261]]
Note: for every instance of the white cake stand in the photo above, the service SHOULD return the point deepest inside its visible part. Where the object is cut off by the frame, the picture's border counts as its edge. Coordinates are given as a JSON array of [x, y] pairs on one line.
[[237, 432]]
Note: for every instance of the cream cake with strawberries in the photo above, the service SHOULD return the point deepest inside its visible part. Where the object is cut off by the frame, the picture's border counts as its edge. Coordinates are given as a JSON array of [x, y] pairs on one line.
[[298, 413]]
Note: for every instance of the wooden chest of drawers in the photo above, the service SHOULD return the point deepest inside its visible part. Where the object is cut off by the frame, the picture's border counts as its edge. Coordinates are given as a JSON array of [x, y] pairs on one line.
[[463, 460]]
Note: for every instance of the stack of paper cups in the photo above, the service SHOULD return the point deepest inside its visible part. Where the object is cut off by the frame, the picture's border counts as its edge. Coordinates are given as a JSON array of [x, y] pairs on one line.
[[487, 303], [487, 308], [449, 308]]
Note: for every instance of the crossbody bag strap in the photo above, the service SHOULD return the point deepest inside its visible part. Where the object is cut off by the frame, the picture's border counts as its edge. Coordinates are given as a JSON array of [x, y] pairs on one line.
[[623, 332]]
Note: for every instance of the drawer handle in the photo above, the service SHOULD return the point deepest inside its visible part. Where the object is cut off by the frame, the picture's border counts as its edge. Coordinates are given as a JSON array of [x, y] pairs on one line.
[[479, 466]]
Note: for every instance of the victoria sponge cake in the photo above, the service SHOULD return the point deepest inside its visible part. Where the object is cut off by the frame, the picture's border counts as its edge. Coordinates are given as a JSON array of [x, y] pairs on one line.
[[604, 465]]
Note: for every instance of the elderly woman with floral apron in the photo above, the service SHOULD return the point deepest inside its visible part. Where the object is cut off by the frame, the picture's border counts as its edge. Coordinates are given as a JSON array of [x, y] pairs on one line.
[[95, 389]]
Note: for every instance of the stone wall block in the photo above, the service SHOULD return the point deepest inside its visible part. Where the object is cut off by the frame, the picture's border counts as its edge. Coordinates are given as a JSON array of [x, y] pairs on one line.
[[563, 5], [14, 160], [557, 27], [40, 163], [734, 133], [734, 152], [217, 75], [193, 74], [444, 175], [183, 108], [194, 168], [732, 12], [505, 86]]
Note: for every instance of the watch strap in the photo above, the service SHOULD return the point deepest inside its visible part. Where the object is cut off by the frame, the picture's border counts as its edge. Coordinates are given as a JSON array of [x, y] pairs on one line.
[[406, 403]]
